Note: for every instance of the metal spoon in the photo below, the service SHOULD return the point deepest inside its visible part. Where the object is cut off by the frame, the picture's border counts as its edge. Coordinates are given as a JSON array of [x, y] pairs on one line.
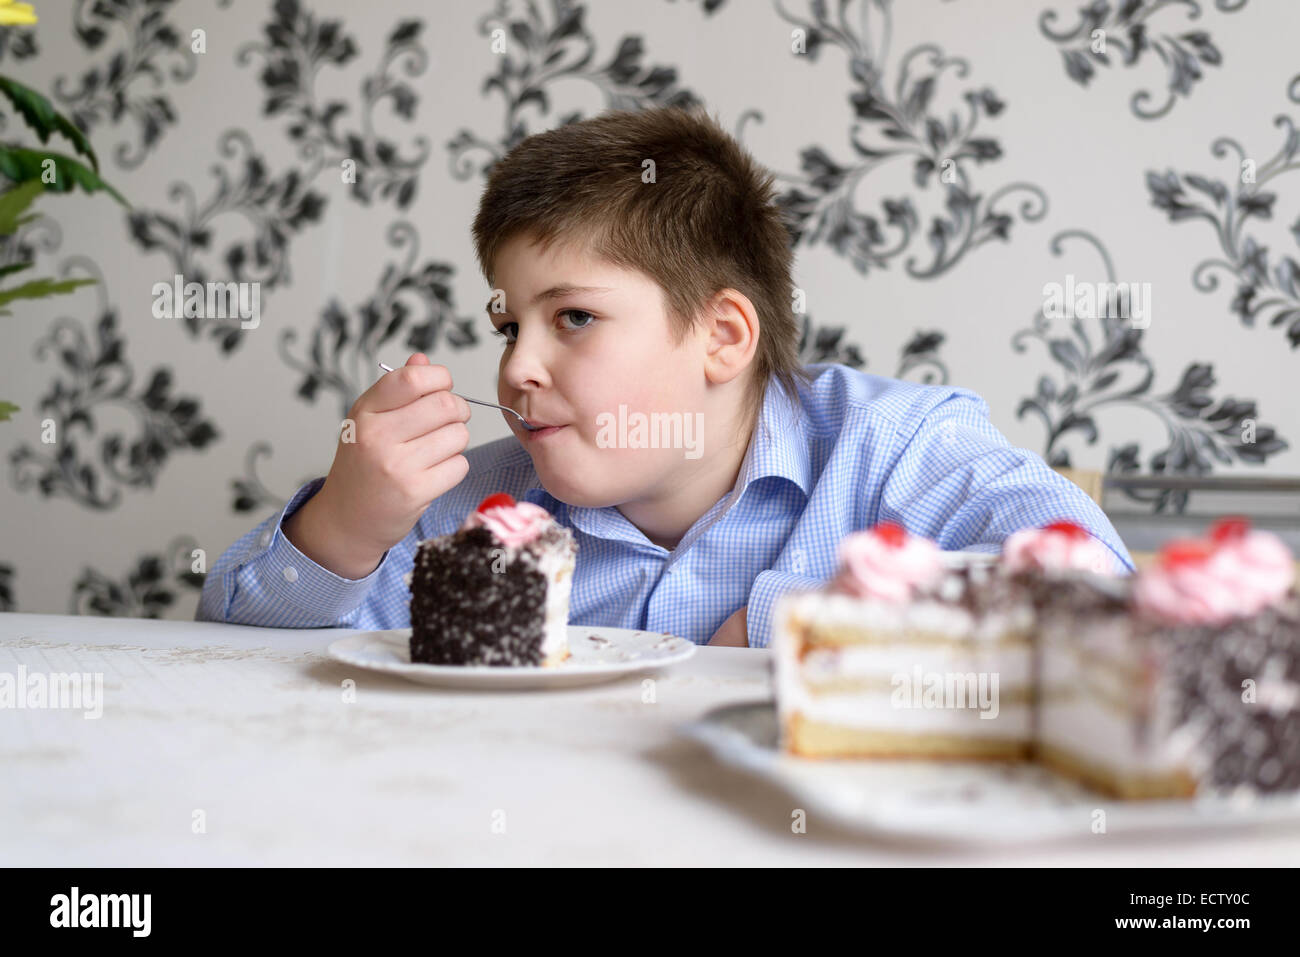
[[491, 405]]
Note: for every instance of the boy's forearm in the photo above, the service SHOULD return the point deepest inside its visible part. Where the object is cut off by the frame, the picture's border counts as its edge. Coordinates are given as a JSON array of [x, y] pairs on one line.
[[264, 579], [313, 532]]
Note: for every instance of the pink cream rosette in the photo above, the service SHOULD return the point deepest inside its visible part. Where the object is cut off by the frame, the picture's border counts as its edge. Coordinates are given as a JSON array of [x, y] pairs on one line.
[[886, 563], [1234, 573], [514, 524], [1059, 546]]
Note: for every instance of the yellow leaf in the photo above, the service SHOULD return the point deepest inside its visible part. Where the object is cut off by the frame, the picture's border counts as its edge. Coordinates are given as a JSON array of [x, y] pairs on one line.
[[12, 13]]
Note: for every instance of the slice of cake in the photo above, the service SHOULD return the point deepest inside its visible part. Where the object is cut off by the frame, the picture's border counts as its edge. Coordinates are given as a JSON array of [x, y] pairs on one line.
[[1182, 681], [906, 653], [496, 591]]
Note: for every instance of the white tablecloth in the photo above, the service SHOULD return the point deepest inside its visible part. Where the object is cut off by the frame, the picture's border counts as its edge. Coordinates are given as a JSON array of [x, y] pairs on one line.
[[245, 731]]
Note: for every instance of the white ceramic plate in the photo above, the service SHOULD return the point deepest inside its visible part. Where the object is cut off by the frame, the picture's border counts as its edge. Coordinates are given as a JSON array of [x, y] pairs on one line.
[[957, 801], [595, 655]]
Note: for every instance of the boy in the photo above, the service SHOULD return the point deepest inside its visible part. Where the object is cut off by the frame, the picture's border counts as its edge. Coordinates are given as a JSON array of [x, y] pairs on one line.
[[641, 271]]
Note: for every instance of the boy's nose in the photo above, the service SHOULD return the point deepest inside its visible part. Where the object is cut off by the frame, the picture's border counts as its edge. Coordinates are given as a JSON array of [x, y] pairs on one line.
[[525, 369]]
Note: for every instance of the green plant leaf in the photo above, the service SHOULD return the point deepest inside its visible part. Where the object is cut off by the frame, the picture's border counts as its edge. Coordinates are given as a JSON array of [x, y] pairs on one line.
[[39, 289], [37, 112], [21, 165], [7, 409], [13, 268], [13, 202]]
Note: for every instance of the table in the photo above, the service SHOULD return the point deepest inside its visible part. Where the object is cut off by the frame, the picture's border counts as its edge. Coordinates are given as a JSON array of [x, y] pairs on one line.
[[229, 745]]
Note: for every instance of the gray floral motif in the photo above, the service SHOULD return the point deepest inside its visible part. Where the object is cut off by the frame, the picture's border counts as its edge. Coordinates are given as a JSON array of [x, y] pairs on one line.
[[297, 47], [276, 208], [7, 588], [1126, 29], [826, 344], [147, 591], [822, 206], [251, 493], [40, 235], [107, 91], [1106, 368], [279, 207], [18, 43], [343, 356], [98, 378], [1261, 287], [542, 49], [918, 360], [709, 7]]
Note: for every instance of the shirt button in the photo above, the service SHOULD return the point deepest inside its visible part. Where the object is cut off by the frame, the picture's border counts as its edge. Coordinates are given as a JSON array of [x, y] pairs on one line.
[[290, 573]]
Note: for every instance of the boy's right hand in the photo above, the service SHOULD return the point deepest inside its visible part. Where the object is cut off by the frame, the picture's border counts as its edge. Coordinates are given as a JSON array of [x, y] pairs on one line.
[[409, 435]]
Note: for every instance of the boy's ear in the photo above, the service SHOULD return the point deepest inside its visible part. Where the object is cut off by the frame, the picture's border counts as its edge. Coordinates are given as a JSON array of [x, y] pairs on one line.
[[731, 335]]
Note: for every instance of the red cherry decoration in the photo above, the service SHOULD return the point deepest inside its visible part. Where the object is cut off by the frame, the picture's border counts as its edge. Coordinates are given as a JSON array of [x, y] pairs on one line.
[[891, 533], [1185, 551], [1068, 528], [495, 501], [1230, 528]]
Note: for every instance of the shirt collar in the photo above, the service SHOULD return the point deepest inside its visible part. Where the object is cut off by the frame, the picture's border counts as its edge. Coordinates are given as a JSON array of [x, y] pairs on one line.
[[778, 448]]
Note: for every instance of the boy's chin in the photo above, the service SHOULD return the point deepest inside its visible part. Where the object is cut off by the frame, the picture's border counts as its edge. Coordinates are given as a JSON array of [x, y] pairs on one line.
[[573, 495]]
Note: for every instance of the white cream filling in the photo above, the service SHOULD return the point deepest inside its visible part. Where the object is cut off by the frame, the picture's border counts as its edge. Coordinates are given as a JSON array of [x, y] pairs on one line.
[[1012, 721], [1107, 678], [558, 567], [903, 706], [829, 609], [1013, 666], [1090, 729]]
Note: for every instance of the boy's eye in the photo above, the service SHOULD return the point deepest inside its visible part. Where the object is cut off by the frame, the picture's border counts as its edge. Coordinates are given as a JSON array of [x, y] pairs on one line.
[[510, 336]]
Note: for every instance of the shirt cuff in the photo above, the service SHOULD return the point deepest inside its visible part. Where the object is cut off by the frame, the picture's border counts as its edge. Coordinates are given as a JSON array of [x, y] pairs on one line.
[[290, 577], [768, 587]]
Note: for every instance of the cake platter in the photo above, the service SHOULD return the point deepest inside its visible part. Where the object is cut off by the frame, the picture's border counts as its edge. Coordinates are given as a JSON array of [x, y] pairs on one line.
[[962, 802], [596, 654]]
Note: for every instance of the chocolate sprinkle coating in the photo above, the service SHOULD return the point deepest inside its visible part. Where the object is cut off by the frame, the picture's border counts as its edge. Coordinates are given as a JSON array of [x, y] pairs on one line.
[[1079, 593], [465, 611], [978, 588], [1244, 745]]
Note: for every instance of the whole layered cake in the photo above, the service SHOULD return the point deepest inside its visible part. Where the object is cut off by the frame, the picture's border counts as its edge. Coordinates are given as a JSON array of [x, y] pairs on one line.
[[1183, 679], [496, 591]]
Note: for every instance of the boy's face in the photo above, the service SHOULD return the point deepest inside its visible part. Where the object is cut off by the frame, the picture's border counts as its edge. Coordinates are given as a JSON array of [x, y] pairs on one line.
[[576, 356]]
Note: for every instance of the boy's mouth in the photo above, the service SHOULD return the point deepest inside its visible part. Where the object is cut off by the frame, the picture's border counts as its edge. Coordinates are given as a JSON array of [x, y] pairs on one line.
[[542, 432]]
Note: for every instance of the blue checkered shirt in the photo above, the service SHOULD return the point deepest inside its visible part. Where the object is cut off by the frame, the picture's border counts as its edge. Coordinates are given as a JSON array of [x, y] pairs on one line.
[[862, 449]]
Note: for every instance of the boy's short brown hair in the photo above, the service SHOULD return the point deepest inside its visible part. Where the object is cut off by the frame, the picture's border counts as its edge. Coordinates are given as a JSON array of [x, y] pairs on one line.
[[707, 222]]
